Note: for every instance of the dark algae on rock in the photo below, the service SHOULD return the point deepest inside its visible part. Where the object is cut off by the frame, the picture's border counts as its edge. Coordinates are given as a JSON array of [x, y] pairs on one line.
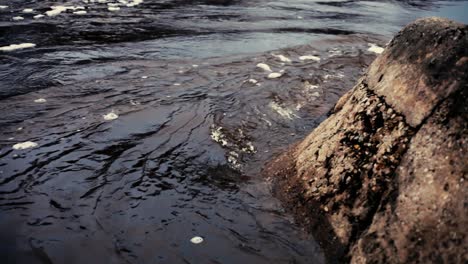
[[382, 180]]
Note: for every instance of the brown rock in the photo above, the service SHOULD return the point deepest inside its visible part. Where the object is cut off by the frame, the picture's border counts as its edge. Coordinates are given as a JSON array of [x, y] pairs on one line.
[[424, 220], [371, 181], [423, 65]]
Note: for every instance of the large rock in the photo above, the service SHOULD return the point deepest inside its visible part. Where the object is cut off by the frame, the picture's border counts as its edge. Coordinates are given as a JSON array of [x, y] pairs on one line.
[[424, 64], [425, 218], [382, 179]]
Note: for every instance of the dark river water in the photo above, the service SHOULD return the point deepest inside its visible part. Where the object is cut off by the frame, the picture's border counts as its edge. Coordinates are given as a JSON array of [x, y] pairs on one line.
[[129, 127]]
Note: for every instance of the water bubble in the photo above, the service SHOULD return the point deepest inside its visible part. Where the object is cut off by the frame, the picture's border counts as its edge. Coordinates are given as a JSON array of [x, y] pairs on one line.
[[282, 58], [274, 75], [264, 67], [196, 240], [309, 57], [17, 46], [40, 100], [374, 48], [110, 116], [25, 145]]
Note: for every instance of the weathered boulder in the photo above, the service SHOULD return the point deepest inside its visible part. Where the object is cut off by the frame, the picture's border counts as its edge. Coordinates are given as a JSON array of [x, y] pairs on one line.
[[383, 178], [424, 64]]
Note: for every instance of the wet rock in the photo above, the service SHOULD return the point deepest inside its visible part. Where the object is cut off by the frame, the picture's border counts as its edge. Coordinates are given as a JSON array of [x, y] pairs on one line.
[[424, 64], [382, 179], [423, 217]]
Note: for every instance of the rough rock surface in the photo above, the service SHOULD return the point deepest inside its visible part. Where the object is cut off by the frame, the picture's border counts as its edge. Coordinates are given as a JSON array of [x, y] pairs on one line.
[[382, 180]]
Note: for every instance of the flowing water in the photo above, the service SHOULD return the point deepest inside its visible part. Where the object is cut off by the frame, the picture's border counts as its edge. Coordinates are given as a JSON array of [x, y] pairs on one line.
[[148, 121]]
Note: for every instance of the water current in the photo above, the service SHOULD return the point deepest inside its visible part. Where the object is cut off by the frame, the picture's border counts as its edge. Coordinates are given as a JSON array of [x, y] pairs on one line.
[[129, 127]]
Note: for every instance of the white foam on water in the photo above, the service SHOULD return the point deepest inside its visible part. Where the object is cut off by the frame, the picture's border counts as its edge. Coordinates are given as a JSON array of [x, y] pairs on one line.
[[25, 145], [195, 66], [335, 52], [267, 121], [113, 8], [28, 10], [3, 7], [132, 102], [176, 84], [144, 77], [309, 87], [284, 112], [196, 240], [81, 12], [233, 160], [309, 57], [249, 148], [40, 100], [218, 136], [282, 58], [56, 10], [252, 81], [336, 76], [134, 2], [374, 48], [274, 75], [38, 16], [18, 18], [110, 116], [17, 46], [264, 67]]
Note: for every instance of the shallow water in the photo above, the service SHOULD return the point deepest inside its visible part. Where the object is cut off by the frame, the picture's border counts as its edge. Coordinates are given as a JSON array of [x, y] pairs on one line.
[[152, 131]]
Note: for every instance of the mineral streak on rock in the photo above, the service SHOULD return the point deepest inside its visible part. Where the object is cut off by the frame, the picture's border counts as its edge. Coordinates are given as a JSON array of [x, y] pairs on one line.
[[382, 179]]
